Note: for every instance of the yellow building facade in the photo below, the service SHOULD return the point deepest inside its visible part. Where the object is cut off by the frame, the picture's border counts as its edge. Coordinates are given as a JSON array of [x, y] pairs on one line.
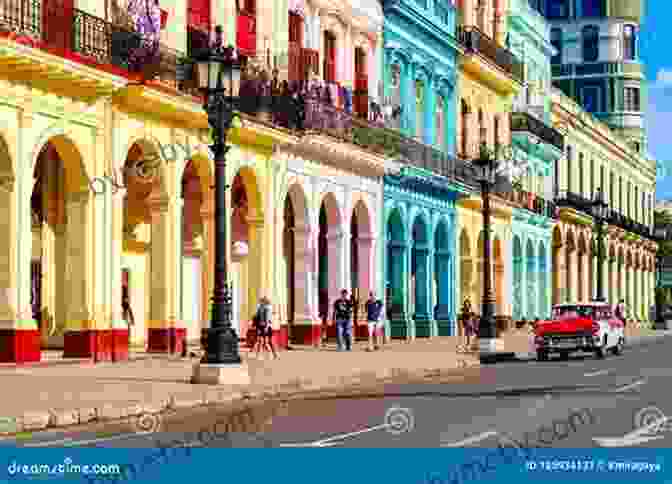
[[597, 158], [487, 84]]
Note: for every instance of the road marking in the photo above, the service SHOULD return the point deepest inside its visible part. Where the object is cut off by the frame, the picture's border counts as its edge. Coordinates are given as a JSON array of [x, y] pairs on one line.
[[328, 441], [597, 373], [69, 441], [471, 440], [631, 385]]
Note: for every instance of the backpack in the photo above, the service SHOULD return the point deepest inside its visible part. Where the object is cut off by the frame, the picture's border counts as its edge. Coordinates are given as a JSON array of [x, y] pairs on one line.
[[342, 309], [262, 318]]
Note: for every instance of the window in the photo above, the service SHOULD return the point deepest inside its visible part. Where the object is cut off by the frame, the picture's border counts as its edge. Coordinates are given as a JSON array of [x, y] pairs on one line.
[[590, 98], [556, 41], [592, 8], [591, 43], [198, 25], [635, 146], [631, 99], [557, 9], [629, 42]]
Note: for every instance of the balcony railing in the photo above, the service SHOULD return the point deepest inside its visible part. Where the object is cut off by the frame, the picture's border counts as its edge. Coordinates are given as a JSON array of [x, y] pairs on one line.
[[575, 201], [521, 121], [476, 41], [532, 202], [23, 17]]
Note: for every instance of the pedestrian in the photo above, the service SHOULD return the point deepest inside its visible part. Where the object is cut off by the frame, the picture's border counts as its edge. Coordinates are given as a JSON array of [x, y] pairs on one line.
[[343, 320], [620, 312], [374, 312], [467, 314], [264, 327], [471, 329]]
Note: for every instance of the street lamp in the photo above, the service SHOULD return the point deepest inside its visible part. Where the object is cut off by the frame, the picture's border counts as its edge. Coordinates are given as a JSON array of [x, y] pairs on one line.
[[660, 320], [488, 161], [218, 78], [599, 210]]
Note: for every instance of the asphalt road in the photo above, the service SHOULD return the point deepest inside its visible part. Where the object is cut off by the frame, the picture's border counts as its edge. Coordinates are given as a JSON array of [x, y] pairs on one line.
[[582, 402]]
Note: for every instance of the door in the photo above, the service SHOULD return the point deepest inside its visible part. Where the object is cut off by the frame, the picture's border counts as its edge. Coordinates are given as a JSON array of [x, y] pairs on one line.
[[297, 69], [329, 57], [246, 34], [361, 84], [198, 25], [192, 296], [57, 23]]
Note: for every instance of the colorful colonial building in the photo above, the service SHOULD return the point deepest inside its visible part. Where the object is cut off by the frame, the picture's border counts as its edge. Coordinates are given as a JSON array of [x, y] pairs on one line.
[[420, 100], [595, 159], [537, 147], [489, 77]]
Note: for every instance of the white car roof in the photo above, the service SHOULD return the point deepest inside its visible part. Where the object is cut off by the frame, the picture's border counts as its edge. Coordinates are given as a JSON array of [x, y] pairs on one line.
[[593, 303]]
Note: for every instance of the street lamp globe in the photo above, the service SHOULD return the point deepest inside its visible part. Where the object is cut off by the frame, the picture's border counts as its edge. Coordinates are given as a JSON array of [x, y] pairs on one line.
[[219, 68]]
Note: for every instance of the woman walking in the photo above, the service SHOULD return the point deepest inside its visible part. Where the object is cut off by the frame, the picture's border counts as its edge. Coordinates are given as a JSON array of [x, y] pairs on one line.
[[264, 328]]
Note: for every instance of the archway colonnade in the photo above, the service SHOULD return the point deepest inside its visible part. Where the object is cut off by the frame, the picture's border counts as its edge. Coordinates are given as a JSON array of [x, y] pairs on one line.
[[628, 269], [531, 268]]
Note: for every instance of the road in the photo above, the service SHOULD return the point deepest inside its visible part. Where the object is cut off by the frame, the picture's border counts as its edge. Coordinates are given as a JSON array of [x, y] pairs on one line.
[[566, 404]]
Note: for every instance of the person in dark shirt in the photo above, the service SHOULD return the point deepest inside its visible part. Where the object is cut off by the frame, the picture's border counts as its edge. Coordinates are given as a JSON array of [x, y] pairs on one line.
[[343, 320], [374, 312]]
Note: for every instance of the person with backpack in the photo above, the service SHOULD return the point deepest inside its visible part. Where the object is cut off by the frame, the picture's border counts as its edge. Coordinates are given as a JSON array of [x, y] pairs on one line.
[[263, 327], [374, 311], [343, 320]]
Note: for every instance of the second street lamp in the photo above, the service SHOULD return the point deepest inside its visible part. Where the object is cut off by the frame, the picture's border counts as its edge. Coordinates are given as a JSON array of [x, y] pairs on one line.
[[219, 79], [599, 211]]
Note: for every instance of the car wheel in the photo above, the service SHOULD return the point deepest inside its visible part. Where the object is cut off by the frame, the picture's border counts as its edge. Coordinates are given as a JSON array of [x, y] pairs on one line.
[[542, 355], [600, 352], [618, 349], [564, 355]]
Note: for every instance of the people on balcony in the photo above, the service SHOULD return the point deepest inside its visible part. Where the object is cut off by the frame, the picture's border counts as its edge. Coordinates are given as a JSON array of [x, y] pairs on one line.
[[146, 16]]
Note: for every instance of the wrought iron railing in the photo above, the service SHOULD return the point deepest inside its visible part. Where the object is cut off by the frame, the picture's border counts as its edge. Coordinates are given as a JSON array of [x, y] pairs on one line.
[[476, 41], [23, 17], [532, 202], [521, 121], [575, 201]]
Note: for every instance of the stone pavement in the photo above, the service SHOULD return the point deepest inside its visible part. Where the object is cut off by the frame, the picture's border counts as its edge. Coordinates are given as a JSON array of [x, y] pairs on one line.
[[58, 395]]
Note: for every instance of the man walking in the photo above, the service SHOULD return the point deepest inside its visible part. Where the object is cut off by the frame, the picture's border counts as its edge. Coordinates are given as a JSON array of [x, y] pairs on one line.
[[374, 311], [343, 320]]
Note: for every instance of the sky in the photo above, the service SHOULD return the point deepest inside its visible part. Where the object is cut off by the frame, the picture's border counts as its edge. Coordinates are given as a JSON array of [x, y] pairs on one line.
[[655, 45]]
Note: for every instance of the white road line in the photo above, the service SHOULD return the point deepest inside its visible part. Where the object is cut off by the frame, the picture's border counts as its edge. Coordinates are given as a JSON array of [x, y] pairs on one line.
[[597, 373], [631, 385], [68, 441], [329, 440], [471, 440]]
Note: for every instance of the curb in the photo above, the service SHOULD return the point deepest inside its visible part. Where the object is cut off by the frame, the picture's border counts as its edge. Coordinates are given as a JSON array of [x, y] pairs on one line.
[[294, 389]]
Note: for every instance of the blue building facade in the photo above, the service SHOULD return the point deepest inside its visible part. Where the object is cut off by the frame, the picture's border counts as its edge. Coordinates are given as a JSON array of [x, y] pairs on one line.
[[419, 94]]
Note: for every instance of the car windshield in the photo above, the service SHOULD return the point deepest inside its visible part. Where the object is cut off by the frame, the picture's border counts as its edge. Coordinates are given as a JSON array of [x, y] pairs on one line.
[[567, 312]]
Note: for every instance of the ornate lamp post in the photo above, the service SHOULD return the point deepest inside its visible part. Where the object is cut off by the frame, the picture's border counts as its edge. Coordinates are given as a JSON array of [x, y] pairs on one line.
[[660, 320], [219, 78], [490, 164], [599, 211]]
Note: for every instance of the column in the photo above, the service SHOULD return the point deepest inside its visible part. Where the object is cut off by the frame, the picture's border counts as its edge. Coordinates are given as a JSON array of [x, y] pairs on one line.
[[83, 336], [164, 334], [571, 293], [422, 314], [306, 328], [121, 337], [442, 270], [430, 108], [408, 93], [208, 258], [397, 264], [523, 283], [337, 261], [257, 269]]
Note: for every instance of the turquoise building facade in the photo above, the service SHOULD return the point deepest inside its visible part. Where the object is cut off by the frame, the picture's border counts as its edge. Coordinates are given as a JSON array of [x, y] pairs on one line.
[[537, 146], [420, 99]]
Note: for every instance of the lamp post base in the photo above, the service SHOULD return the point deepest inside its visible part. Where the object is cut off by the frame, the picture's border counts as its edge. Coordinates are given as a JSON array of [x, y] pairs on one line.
[[491, 350], [214, 374]]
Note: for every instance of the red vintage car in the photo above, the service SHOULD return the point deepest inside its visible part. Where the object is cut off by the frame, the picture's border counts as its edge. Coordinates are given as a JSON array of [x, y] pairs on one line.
[[590, 327]]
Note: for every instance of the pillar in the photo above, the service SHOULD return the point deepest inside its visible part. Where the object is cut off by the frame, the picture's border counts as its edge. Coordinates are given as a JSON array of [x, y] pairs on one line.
[[120, 334], [422, 316], [443, 312], [207, 258], [571, 293], [335, 254], [429, 136], [397, 277], [306, 328], [164, 334]]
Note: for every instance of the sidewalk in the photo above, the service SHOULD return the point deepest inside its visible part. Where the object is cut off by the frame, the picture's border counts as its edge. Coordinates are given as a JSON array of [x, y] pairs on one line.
[[57, 395]]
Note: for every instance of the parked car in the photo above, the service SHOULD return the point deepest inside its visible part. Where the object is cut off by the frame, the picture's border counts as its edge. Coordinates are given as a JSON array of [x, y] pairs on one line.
[[590, 327]]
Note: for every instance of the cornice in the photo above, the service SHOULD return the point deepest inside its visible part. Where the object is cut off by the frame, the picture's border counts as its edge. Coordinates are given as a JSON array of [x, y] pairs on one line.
[[440, 32]]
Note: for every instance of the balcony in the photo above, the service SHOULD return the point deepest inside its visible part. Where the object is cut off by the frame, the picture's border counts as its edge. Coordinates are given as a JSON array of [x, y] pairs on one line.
[[532, 202], [90, 41], [574, 200], [475, 41], [524, 122]]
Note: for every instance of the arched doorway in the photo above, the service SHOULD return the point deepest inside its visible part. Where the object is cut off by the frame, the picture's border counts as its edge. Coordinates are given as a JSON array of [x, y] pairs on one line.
[[543, 311], [297, 312], [442, 280], [570, 267], [59, 262], [419, 278], [361, 94], [150, 268], [330, 237], [582, 269], [395, 283], [361, 263], [518, 283], [467, 272], [558, 276], [498, 278], [531, 281]]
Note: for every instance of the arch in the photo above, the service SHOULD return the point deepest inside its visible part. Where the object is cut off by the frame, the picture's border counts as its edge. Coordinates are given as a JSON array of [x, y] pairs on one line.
[[252, 189], [7, 171], [465, 244], [204, 171], [332, 209], [542, 306], [395, 226], [558, 274], [441, 237], [498, 274], [518, 289], [297, 196], [420, 229], [531, 279], [9, 238], [76, 176], [364, 223]]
